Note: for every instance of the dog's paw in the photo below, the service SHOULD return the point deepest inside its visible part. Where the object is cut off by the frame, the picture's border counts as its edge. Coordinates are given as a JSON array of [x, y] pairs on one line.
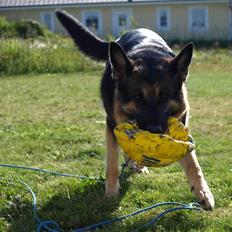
[[204, 196], [143, 170], [111, 189], [132, 165]]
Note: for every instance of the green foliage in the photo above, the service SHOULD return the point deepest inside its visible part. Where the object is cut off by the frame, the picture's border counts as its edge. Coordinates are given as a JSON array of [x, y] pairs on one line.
[[6, 29], [56, 122], [21, 29], [29, 29], [18, 56], [201, 44]]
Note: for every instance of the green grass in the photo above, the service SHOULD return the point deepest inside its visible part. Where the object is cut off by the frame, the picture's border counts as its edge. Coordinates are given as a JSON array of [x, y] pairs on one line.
[[56, 121], [47, 55]]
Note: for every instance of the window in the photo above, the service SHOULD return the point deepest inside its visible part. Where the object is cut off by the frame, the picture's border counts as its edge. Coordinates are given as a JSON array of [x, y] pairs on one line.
[[47, 18], [92, 20], [163, 19], [121, 20], [198, 19]]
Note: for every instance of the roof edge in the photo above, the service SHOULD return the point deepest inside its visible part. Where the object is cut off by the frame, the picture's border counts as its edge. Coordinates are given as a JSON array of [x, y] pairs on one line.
[[105, 4]]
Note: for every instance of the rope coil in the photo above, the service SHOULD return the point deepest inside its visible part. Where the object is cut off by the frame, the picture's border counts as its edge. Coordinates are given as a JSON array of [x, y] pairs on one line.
[[52, 226]]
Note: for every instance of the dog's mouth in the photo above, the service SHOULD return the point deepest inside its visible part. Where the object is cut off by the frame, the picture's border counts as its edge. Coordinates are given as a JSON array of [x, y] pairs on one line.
[[153, 128], [152, 124]]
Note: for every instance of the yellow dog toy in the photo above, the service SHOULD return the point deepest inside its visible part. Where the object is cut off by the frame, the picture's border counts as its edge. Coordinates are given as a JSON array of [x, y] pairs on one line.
[[152, 149]]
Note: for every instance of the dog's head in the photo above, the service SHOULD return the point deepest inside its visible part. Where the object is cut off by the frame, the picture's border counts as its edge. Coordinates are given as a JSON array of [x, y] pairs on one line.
[[150, 89]]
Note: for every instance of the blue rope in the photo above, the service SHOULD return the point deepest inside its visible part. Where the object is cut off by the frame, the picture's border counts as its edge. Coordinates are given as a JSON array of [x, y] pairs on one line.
[[50, 172], [52, 226], [191, 206], [107, 222], [40, 224]]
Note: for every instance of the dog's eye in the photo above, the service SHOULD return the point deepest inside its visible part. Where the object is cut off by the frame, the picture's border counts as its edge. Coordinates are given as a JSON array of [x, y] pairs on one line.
[[164, 96], [139, 98]]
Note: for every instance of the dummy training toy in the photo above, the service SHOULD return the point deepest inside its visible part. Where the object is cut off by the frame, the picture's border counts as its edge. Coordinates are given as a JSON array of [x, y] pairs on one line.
[[153, 149]]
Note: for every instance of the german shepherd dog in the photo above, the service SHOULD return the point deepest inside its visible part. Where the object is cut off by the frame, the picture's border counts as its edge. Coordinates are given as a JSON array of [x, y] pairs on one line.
[[143, 81]]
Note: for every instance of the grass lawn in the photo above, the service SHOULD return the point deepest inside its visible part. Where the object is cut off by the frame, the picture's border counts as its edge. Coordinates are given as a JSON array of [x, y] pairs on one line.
[[57, 122]]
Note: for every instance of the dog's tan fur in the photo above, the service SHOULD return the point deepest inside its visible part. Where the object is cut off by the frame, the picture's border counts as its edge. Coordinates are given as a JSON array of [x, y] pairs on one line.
[[147, 85]]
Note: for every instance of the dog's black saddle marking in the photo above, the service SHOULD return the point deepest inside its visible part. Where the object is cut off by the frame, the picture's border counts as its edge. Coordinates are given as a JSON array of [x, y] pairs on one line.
[[144, 39]]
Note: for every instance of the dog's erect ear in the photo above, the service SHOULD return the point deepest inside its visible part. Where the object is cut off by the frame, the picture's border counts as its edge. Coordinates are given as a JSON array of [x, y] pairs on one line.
[[183, 59], [119, 61], [181, 63]]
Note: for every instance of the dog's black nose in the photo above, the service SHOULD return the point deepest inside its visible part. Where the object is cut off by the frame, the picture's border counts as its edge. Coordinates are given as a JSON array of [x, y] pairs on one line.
[[154, 129]]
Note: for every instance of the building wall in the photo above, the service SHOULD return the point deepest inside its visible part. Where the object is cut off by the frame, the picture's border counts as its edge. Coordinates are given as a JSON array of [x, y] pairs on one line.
[[218, 18], [145, 16]]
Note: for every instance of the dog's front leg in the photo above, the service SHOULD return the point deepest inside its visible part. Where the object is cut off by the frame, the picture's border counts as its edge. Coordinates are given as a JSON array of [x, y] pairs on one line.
[[112, 167], [197, 181]]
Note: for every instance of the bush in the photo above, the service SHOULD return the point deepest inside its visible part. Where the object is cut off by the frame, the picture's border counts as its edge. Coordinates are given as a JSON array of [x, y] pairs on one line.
[[21, 29], [29, 29], [18, 56], [26, 47], [6, 29], [202, 44]]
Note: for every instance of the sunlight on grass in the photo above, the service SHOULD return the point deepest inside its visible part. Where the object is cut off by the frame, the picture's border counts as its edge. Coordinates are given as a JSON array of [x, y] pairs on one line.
[[57, 122]]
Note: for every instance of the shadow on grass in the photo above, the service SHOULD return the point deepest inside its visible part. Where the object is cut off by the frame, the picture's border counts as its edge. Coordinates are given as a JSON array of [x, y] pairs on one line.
[[178, 221], [77, 204], [74, 205], [85, 205]]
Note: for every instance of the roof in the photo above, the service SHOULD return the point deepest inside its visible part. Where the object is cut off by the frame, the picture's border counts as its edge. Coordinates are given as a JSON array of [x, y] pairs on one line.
[[44, 3], [24, 3]]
